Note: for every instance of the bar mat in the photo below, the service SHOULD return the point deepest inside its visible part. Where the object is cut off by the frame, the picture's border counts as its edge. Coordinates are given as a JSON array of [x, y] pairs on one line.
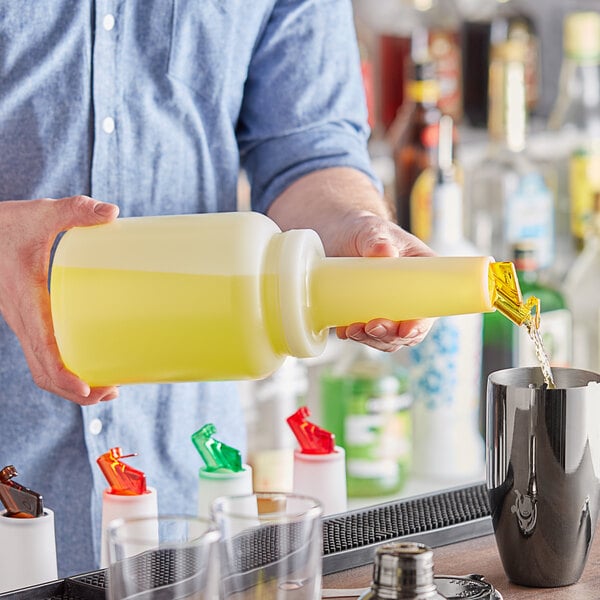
[[349, 539], [64, 589], [447, 517]]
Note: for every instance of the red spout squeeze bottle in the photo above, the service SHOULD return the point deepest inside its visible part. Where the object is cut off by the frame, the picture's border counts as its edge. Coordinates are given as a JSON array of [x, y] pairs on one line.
[[126, 497], [319, 465], [122, 478], [20, 502]]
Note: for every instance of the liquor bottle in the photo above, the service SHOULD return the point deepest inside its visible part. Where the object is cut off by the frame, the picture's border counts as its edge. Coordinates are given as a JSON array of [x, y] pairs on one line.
[[394, 22], [506, 346], [413, 136], [494, 22], [575, 123], [445, 369], [366, 405], [507, 195], [582, 290], [421, 195]]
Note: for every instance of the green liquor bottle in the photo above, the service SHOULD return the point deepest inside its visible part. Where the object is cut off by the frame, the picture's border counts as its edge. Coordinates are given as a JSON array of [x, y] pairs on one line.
[[365, 404]]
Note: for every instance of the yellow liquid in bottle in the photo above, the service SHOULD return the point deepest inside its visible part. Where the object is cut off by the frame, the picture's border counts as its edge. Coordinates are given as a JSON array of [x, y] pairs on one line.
[[170, 326], [350, 290], [224, 296]]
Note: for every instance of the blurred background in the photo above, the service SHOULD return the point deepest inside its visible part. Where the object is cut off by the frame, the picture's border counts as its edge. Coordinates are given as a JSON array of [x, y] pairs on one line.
[[485, 132]]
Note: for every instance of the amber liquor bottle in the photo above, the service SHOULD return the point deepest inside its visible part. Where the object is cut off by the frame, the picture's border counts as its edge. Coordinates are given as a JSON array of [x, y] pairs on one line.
[[414, 135]]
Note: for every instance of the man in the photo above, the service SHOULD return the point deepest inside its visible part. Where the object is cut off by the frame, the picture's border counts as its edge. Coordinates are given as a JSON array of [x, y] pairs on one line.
[[151, 106]]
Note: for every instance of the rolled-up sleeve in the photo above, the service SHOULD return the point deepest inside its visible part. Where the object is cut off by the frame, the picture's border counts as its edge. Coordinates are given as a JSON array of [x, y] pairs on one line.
[[304, 107]]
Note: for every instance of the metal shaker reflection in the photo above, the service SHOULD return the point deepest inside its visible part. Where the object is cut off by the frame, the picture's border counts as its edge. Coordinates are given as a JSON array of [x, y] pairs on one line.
[[543, 472]]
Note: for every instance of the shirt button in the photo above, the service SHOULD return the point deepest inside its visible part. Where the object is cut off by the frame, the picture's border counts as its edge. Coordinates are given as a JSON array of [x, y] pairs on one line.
[[95, 426], [108, 22], [108, 125]]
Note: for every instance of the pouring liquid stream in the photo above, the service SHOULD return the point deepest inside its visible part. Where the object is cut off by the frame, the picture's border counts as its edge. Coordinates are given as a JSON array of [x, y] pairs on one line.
[[509, 301], [542, 355]]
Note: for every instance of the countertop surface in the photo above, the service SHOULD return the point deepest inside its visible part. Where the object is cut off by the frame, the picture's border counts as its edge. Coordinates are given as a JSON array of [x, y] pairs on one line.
[[480, 556]]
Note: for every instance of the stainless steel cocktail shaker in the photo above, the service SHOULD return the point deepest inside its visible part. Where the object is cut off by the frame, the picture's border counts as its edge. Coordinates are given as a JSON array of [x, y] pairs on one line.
[[543, 472]]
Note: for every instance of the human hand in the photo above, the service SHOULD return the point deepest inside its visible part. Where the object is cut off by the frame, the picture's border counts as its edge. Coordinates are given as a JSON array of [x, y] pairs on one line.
[[28, 229], [369, 235]]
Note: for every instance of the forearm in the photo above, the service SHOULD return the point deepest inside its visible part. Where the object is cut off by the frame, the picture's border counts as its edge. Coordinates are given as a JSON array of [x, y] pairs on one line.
[[352, 218], [322, 201]]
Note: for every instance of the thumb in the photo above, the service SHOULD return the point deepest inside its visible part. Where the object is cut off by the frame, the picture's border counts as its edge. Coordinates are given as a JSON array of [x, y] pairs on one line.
[[80, 211]]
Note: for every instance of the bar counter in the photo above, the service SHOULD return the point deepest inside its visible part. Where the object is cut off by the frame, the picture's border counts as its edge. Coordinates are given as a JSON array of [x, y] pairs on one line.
[[480, 556]]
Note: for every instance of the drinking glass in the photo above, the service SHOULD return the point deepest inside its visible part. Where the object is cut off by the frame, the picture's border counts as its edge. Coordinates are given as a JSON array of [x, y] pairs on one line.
[[271, 546], [162, 558]]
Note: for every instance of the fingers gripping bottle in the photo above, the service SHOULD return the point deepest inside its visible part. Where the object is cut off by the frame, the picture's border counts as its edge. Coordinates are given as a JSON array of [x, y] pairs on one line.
[[229, 296]]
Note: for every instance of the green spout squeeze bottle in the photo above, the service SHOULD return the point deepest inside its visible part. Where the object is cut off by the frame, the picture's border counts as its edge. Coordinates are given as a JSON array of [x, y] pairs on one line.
[[229, 296]]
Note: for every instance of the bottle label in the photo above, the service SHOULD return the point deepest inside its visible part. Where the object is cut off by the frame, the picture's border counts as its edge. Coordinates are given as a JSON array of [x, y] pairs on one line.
[[445, 375], [377, 437], [420, 205], [584, 187], [445, 367], [530, 216], [557, 330]]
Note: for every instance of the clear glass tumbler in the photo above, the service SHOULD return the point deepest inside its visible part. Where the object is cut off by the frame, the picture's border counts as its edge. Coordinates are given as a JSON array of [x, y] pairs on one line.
[[271, 546], [163, 558]]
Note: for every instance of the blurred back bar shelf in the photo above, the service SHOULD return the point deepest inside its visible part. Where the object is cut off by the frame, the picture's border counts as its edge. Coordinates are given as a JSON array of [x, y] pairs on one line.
[[379, 442]]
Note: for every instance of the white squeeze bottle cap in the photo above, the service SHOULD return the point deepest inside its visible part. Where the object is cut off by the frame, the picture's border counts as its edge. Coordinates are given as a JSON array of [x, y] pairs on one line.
[[229, 296]]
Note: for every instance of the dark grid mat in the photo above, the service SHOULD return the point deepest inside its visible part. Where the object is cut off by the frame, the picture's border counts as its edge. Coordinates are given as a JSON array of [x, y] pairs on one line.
[[349, 539]]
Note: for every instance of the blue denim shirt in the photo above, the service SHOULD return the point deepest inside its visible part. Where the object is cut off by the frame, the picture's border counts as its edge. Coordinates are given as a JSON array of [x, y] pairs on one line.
[[154, 105]]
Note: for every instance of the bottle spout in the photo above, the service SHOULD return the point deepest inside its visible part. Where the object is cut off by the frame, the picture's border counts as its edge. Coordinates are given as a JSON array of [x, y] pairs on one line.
[[507, 298], [124, 480], [19, 501], [216, 455], [312, 438]]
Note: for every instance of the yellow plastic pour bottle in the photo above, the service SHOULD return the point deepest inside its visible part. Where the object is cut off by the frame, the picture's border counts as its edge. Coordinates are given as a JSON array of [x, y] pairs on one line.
[[229, 296]]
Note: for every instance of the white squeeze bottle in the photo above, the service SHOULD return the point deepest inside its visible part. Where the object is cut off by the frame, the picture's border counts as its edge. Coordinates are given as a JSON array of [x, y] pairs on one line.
[[445, 369], [229, 296]]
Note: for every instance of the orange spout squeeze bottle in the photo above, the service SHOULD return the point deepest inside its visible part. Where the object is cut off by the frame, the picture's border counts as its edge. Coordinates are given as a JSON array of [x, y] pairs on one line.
[[229, 296], [126, 497]]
